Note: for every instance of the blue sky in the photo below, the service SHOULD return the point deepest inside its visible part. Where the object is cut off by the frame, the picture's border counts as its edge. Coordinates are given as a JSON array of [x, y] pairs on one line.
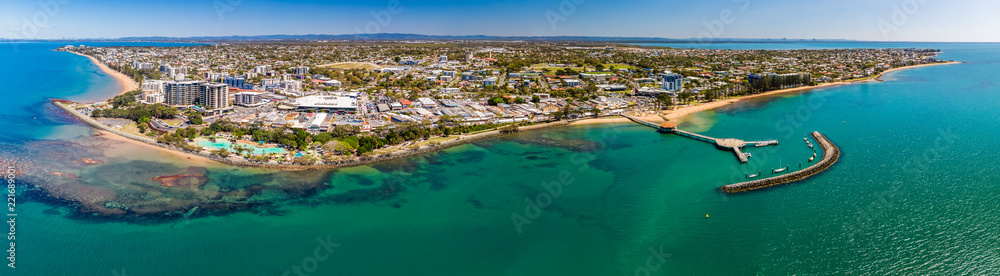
[[893, 20]]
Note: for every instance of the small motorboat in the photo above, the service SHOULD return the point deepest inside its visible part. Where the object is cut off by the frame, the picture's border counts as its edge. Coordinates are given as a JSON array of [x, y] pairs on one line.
[[752, 176], [811, 158], [749, 155], [810, 146]]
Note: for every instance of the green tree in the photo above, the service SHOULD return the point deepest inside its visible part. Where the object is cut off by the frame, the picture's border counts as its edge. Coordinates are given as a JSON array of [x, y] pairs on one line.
[[665, 101], [142, 123], [195, 119], [496, 100], [685, 96]]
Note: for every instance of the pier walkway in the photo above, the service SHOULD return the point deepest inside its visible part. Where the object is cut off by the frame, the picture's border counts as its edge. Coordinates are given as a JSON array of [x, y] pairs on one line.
[[734, 145]]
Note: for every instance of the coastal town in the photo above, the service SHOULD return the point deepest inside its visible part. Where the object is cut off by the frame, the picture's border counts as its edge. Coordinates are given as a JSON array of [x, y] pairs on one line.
[[328, 103]]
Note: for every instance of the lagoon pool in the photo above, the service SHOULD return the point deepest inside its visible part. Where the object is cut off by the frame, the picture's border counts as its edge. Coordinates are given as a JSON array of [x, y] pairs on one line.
[[222, 143]]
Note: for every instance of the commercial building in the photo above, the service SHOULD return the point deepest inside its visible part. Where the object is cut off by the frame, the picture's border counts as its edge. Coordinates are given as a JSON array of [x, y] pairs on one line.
[[490, 81], [572, 82], [270, 81], [208, 95], [427, 102], [653, 92], [596, 76], [613, 87], [300, 70], [327, 104], [292, 85], [213, 95], [182, 93], [173, 72], [143, 65], [235, 82], [776, 81], [154, 98], [152, 87], [262, 69], [248, 98], [672, 81], [212, 76]]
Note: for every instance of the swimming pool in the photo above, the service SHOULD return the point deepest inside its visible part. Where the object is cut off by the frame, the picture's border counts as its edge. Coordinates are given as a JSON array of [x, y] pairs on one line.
[[222, 143]]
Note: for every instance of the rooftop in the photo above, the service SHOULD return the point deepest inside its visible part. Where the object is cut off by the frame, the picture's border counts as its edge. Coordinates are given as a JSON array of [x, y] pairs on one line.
[[326, 102]]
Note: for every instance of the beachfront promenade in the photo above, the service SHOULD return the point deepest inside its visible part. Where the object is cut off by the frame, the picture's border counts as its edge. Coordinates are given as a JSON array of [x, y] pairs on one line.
[[734, 145]]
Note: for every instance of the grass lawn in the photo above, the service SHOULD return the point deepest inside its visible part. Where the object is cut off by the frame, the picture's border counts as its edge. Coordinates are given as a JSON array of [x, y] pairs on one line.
[[172, 122], [435, 140], [620, 66], [351, 65], [131, 128]]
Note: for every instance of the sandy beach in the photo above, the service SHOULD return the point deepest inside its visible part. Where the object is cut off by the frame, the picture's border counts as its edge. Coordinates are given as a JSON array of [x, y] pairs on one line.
[[879, 77], [128, 84], [604, 120], [138, 150], [680, 112]]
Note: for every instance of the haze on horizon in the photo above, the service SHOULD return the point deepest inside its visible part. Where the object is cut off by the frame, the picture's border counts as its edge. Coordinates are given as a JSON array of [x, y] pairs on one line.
[[878, 20]]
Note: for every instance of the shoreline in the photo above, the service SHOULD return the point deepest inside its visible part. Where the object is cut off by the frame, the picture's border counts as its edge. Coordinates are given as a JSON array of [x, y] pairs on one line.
[[127, 83], [188, 157], [680, 113], [204, 158], [676, 114], [688, 110]]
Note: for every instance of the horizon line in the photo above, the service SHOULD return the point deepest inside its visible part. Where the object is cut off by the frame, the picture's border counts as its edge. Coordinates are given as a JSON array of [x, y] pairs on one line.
[[368, 37]]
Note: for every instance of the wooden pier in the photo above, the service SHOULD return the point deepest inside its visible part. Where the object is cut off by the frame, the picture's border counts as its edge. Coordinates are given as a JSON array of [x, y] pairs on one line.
[[734, 145], [830, 155]]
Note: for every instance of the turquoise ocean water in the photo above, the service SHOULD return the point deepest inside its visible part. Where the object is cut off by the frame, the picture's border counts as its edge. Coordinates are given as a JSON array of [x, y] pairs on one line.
[[914, 193]]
